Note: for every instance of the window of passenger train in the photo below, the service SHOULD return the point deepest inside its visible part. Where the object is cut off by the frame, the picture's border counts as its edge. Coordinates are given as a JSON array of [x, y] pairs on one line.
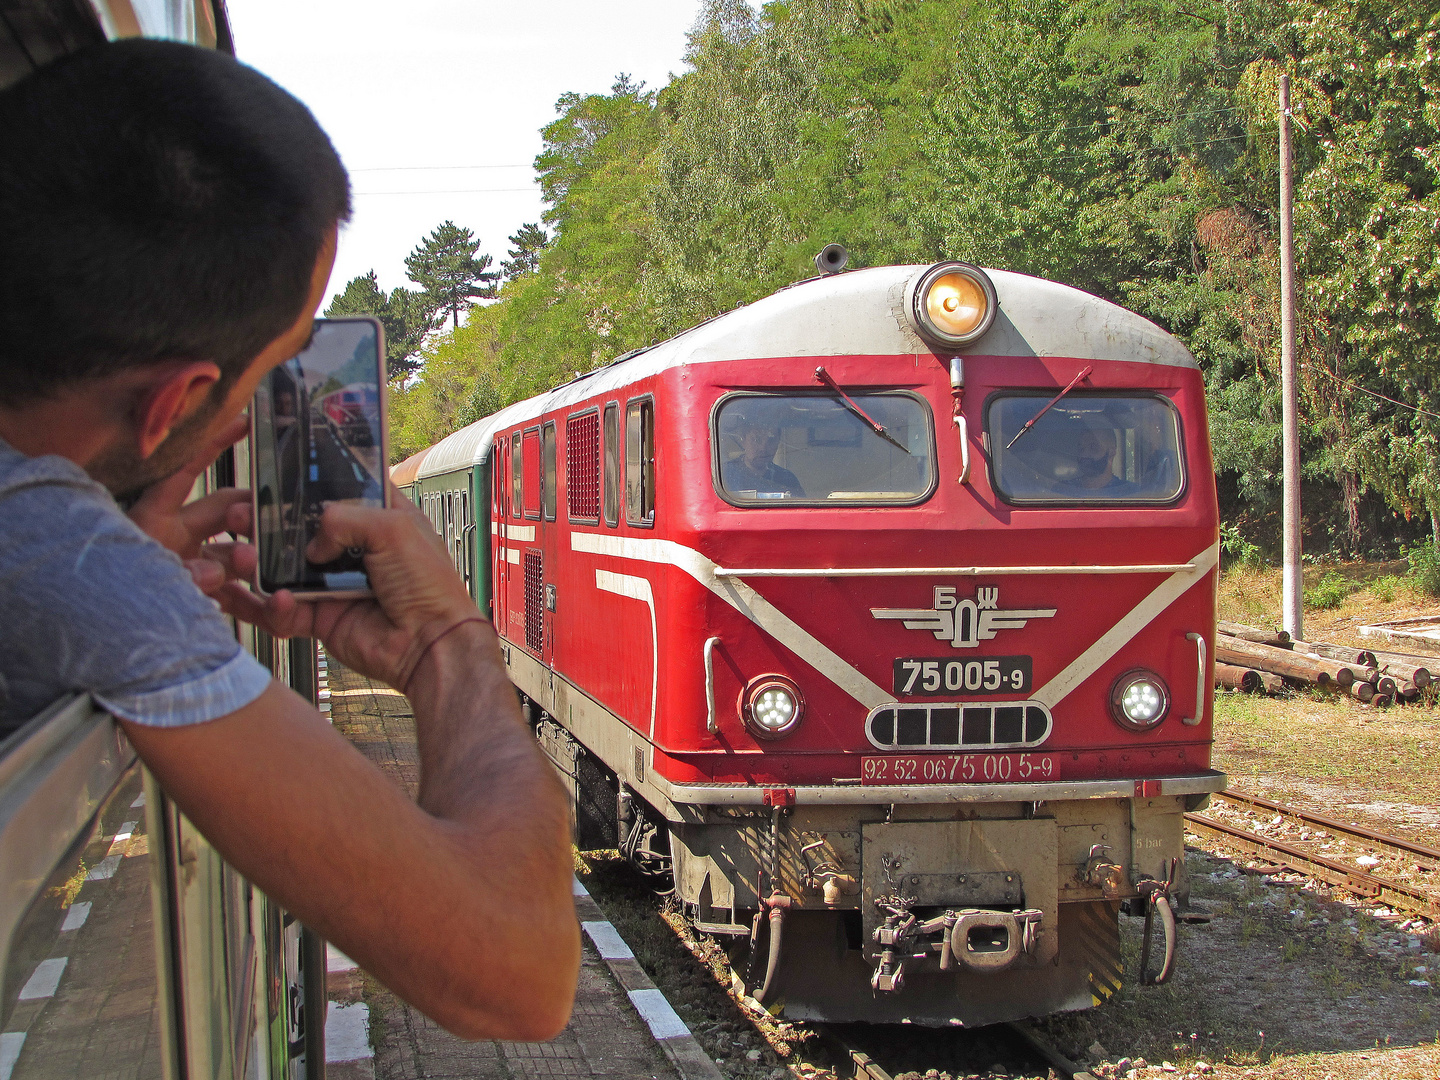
[[817, 450], [612, 464], [640, 462], [1088, 448]]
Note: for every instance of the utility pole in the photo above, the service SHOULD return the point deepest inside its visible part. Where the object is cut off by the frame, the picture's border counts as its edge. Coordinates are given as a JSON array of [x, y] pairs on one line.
[[1292, 604]]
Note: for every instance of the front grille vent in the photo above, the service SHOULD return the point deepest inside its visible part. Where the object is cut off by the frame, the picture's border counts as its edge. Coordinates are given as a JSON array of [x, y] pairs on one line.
[[959, 725]]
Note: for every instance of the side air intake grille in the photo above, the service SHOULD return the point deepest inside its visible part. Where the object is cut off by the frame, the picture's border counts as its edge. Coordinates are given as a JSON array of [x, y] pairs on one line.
[[582, 466], [534, 600], [959, 726]]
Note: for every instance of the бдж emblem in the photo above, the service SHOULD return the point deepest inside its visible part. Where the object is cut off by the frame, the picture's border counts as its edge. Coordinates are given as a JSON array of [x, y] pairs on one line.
[[964, 623]]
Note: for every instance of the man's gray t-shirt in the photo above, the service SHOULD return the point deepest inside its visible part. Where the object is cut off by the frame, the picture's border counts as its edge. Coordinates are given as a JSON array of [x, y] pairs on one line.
[[88, 602]]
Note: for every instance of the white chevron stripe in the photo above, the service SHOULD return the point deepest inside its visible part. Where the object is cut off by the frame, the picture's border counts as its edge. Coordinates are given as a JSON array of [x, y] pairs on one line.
[[744, 600], [1114, 639], [799, 641], [637, 588]]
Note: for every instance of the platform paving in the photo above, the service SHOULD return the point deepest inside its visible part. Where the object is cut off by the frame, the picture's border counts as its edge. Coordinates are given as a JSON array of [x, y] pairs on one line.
[[606, 1037]]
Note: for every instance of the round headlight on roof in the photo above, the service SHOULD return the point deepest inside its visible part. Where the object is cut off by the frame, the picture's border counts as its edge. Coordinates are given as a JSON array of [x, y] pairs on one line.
[[950, 304], [771, 706], [1139, 700]]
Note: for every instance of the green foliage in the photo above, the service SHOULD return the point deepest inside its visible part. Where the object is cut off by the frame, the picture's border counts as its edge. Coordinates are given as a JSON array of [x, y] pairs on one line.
[[1128, 147], [1328, 593], [1385, 588], [403, 313], [1424, 559], [525, 247], [1237, 550], [446, 265]]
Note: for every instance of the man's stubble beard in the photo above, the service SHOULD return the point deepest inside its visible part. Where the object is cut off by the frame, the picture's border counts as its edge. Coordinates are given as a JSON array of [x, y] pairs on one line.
[[126, 474]]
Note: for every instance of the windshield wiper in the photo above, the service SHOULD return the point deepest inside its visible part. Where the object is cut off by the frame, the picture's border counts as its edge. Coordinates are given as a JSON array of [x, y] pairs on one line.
[[823, 376], [1031, 422]]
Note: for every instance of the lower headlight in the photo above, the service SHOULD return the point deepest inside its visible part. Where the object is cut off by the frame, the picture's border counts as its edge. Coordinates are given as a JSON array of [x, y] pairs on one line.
[[771, 706], [1139, 700]]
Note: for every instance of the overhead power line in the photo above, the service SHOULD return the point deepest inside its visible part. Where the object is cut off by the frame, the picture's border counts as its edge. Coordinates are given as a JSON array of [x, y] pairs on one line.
[[440, 168], [449, 191], [1372, 393]]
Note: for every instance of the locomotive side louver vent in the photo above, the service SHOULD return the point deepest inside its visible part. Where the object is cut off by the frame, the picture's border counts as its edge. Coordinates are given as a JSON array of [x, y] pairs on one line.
[[582, 466], [959, 726], [534, 600]]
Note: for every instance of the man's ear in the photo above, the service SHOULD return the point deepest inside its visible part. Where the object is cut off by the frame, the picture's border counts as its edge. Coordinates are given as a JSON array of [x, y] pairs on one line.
[[177, 391]]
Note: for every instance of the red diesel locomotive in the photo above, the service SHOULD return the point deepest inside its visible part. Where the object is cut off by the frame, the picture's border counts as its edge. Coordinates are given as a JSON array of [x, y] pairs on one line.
[[878, 613]]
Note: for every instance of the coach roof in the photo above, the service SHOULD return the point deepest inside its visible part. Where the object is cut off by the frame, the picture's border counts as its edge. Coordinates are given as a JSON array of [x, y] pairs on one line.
[[858, 313]]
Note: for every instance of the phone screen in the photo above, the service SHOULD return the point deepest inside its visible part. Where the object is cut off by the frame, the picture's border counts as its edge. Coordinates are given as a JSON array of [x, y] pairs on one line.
[[318, 436]]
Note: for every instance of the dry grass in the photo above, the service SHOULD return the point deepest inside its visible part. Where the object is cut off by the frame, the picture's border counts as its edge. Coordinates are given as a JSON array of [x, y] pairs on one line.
[[1374, 592]]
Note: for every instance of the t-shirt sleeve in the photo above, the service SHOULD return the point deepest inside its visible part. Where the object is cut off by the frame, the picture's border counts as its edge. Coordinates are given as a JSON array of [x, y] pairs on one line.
[[90, 603]]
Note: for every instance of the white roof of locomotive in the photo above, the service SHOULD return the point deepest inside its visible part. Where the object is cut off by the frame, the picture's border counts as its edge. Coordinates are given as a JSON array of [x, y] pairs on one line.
[[858, 313]]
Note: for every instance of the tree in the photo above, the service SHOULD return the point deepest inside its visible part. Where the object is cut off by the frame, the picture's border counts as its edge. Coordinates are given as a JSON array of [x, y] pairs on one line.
[[403, 313], [525, 248], [446, 266]]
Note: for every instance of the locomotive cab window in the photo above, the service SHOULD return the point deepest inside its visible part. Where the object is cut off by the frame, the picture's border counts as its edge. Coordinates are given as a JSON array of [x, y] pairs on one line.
[[612, 464], [640, 462], [818, 450], [549, 481], [516, 472], [1123, 449]]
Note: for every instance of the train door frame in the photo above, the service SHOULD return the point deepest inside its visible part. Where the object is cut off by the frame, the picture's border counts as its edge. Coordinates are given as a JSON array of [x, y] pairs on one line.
[[500, 574]]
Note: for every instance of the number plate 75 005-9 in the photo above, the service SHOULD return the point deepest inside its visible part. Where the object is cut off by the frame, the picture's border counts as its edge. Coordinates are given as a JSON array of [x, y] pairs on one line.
[[942, 676], [959, 769]]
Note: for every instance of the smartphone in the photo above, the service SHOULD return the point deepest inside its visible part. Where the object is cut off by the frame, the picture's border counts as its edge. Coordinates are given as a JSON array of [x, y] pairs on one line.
[[318, 435]]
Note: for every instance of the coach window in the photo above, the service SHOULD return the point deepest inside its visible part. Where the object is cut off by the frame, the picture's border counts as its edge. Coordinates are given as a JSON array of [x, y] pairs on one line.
[[640, 462], [516, 472], [818, 449], [612, 464], [1087, 449], [550, 479]]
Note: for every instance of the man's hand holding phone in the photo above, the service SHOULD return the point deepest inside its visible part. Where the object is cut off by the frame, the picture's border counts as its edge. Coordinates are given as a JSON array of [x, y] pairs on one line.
[[417, 593]]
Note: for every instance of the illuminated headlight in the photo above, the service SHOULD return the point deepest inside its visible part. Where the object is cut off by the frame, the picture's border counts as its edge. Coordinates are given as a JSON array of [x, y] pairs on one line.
[[951, 304], [772, 706], [1139, 700]]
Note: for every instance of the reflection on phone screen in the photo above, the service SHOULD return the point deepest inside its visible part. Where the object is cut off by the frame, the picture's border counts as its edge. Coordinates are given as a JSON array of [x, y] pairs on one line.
[[318, 439]]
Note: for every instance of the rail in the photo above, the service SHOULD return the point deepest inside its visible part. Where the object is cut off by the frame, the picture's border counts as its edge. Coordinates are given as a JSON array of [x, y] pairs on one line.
[[1397, 894]]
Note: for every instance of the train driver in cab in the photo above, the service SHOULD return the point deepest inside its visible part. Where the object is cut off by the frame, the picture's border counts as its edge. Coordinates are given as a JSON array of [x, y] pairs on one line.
[[754, 469], [168, 224]]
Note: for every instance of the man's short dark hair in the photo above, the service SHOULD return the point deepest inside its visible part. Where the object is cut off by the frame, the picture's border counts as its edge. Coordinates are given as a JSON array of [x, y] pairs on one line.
[[158, 201]]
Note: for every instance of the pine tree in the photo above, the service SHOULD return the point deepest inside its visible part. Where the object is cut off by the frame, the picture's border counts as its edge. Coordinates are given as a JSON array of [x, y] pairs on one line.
[[525, 248], [447, 267], [403, 313]]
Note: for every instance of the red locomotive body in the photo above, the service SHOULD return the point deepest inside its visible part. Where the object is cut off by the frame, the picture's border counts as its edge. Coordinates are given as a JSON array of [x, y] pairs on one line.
[[879, 620]]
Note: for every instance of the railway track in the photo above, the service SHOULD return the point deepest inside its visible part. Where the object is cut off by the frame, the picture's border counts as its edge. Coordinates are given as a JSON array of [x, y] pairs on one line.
[[1304, 853], [1023, 1051]]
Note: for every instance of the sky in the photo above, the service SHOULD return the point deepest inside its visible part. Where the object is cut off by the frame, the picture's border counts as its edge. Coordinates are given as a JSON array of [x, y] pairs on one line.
[[436, 106]]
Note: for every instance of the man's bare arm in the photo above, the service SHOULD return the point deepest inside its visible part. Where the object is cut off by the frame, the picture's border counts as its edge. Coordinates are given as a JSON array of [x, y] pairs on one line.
[[461, 905]]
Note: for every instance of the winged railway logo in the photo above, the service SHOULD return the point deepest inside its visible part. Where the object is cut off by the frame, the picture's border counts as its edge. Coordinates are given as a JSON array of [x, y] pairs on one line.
[[964, 623]]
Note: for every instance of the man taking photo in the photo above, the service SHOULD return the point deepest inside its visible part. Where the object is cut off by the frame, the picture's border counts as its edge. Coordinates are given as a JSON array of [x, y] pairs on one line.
[[168, 221]]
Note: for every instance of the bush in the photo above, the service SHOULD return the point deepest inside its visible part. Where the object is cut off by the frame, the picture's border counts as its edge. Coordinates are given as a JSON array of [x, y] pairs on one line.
[[1238, 550], [1329, 592], [1424, 562], [1384, 588]]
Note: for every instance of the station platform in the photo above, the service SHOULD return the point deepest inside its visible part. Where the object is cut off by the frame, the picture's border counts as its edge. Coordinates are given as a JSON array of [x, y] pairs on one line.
[[621, 1026]]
